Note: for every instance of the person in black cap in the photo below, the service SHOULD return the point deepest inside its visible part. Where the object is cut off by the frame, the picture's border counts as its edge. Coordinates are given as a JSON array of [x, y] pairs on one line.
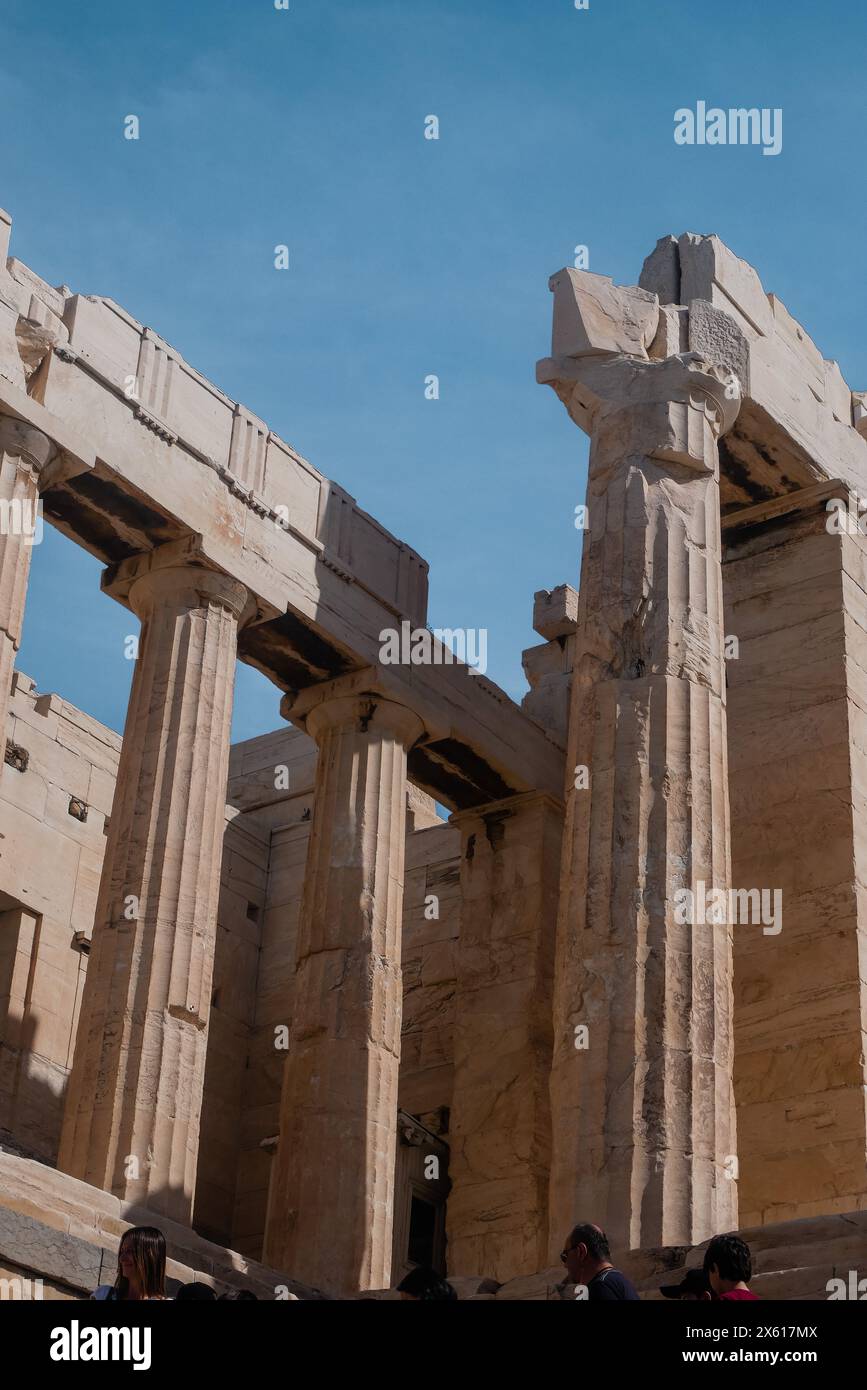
[[694, 1287], [587, 1257]]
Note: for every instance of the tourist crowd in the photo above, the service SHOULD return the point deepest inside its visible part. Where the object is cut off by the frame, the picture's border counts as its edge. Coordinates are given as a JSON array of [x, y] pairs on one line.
[[725, 1275]]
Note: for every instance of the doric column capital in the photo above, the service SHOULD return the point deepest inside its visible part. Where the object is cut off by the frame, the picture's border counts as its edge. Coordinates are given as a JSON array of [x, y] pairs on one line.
[[176, 574], [28, 445], [336, 705], [355, 699]]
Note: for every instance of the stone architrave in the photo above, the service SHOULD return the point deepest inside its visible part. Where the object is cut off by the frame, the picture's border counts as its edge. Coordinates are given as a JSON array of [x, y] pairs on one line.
[[131, 1123], [641, 1087], [332, 1185], [24, 452]]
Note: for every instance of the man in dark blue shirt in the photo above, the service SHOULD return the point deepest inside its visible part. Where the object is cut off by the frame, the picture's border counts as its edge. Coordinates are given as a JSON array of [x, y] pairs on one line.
[[587, 1257]]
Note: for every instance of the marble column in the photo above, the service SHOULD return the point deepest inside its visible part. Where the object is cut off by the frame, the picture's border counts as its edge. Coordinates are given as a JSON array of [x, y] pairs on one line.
[[24, 452], [500, 1125], [641, 1084], [332, 1186], [132, 1114]]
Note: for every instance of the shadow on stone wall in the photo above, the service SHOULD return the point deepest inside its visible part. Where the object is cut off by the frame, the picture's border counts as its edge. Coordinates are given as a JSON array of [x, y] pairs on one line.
[[32, 1093]]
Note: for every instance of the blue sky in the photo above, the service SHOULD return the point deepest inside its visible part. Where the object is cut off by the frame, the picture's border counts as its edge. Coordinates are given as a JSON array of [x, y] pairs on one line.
[[410, 256]]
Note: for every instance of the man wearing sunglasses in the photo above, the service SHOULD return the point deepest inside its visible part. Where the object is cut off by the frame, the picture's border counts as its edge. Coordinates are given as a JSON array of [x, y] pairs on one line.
[[588, 1261]]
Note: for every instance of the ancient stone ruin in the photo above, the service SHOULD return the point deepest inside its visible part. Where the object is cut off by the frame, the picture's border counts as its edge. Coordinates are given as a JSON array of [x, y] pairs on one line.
[[266, 997]]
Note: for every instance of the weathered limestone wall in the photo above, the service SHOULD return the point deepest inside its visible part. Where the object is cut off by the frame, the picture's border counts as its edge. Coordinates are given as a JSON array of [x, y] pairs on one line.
[[282, 815], [228, 1073], [795, 599], [429, 969], [62, 767], [501, 1117]]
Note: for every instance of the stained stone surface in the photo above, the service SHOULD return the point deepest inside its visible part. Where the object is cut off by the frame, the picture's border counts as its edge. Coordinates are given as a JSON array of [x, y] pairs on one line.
[[716, 336], [500, 1129], [795, 597]]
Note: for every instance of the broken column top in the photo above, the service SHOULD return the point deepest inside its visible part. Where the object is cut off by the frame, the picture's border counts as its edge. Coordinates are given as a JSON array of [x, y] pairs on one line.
[[692, 266], [799, 421]]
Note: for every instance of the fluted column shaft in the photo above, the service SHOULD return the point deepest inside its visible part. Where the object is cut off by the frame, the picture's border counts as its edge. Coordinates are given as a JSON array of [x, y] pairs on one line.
[[23, 453], [332, 1187], [131, 1123], [642, 1103]]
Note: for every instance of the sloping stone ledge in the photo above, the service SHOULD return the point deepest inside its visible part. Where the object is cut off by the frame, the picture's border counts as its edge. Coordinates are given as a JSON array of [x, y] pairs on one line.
[[65, 1232], [791, 1259]]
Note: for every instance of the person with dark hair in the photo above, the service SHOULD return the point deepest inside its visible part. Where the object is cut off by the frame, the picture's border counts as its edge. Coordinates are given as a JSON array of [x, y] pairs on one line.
[[195, 1293], [694, 1287], [729, 1267], [587, 1257], [238, 1296], [424, 1285], [141, 1267]]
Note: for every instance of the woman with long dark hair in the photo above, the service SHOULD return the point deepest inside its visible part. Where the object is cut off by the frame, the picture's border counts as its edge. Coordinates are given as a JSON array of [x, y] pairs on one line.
[[141, 1267]]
